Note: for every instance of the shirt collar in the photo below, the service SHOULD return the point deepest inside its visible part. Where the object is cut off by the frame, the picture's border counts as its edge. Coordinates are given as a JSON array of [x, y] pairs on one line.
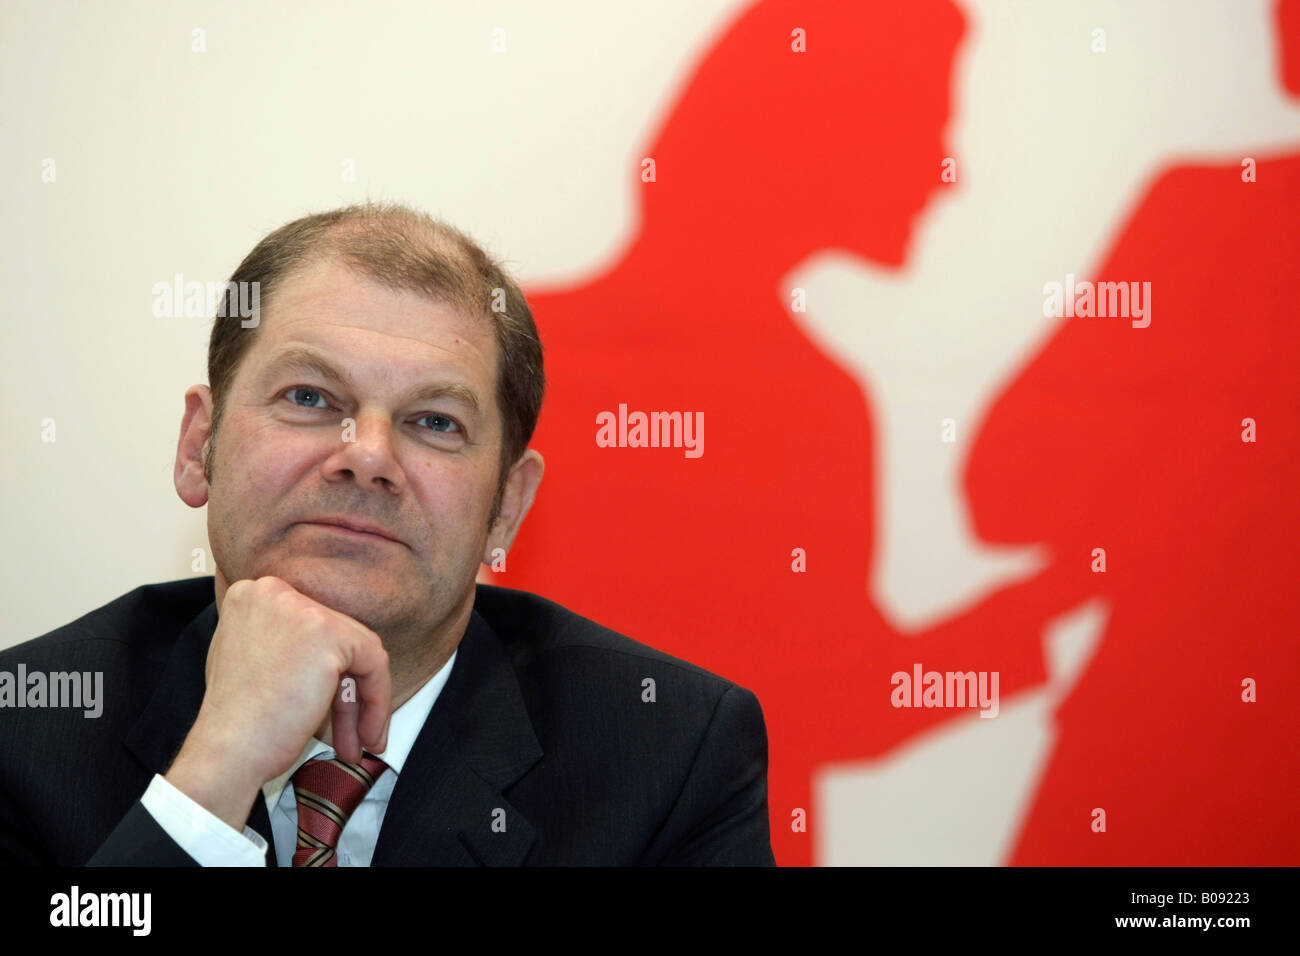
[[402, 732]]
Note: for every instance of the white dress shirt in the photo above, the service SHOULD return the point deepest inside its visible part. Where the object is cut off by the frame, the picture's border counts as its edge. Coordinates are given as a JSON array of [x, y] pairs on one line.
[[213, 842]]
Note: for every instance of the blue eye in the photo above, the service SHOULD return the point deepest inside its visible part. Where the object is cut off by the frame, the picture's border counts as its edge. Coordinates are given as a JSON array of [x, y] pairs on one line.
[[442, 418], [308, 390]]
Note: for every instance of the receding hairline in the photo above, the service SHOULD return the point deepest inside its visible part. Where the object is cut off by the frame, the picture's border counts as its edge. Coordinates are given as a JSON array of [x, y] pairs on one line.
[[321, 258], [335, 246], [367, 240], [383, 228]]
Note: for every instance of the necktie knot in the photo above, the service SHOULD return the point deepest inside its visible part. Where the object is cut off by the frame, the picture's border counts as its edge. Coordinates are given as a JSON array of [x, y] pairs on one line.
[[328, 791]]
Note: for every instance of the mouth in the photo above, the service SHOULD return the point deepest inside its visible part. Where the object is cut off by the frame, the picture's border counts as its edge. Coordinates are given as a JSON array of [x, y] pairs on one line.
[[353, 529]]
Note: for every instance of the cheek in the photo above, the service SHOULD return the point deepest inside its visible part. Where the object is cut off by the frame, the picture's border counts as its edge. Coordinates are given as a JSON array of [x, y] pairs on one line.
[[273, 468], [261, 469], [449, 495]]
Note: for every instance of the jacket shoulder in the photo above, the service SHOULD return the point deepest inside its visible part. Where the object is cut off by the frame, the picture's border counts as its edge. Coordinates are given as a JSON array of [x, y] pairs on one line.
[[152, 614], [537, 631], [646, 758]]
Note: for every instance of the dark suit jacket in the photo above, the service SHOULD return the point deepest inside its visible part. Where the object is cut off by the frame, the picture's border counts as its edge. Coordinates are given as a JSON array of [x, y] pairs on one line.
[[542, 716]]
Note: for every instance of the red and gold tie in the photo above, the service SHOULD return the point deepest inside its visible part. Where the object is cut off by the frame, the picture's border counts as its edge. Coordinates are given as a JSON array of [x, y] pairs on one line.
[[328, 791]]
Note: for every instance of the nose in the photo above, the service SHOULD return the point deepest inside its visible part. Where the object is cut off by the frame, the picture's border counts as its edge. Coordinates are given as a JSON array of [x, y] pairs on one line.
[[366, 455]]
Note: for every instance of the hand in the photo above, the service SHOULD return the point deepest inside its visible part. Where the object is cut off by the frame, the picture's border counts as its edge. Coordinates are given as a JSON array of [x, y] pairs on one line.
[[273, 674]]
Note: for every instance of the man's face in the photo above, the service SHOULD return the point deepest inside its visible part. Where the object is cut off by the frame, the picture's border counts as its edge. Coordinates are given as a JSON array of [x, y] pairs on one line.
[[421, 467]]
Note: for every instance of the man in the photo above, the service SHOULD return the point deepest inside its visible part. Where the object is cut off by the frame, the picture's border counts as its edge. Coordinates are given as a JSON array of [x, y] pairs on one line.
[[342, 692]]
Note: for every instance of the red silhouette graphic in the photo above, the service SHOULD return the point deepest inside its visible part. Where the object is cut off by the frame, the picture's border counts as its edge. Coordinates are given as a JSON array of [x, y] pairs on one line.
[[770, 155]]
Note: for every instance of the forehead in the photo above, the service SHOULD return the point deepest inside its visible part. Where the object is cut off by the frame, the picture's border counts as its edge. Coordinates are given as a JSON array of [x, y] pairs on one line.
[[375, 332]]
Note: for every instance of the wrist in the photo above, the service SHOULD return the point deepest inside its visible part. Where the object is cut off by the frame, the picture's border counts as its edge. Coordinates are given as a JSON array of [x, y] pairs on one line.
[[213, 775]]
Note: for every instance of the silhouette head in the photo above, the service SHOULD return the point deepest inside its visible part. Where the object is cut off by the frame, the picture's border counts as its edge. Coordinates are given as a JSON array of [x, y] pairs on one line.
[[839, 145]]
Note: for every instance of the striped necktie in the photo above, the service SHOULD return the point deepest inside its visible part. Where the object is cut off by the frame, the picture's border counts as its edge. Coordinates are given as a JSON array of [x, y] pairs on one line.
[[328, 791]]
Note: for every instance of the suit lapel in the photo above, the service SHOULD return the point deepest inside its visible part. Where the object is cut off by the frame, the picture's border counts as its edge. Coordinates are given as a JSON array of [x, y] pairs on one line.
[[158, 734], [447, 808]]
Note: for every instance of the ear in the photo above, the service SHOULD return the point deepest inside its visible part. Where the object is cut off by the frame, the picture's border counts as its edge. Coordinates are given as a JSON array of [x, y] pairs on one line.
[[520, 490], [192, 447]]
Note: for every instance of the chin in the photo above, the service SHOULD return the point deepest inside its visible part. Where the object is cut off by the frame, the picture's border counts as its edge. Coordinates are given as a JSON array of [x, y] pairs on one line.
[[341, 590]]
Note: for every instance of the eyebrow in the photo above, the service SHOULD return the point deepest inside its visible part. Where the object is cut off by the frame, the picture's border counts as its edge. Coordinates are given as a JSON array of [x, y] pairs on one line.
[[309, 360]]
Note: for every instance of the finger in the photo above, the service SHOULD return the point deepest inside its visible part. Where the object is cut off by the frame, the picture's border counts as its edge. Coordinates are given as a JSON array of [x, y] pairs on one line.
[[374, 692], [343, 722]]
